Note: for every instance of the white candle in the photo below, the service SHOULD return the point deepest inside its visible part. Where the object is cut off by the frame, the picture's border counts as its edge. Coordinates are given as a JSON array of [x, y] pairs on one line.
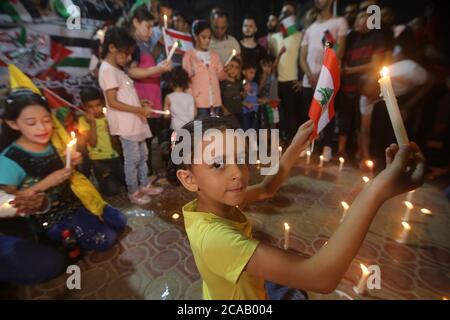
[[341, 163], [365, 179], [280, 149], [362, 284], [426, 211], [69, 149], [165, 112], [345, 208], [105, 111], [387, 92], [308, 156], [233, 53], [6, 209], [410, 195], [172, 51], [286, 235], [404, 235], [409, 207], [321, 161], [165, 21]]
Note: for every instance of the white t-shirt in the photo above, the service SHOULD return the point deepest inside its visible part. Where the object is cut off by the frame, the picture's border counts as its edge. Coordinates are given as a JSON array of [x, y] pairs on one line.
[[124, 124], [182, 109], [288, 65], [225, 47], [337, 26], [406, 75], [204, 56]]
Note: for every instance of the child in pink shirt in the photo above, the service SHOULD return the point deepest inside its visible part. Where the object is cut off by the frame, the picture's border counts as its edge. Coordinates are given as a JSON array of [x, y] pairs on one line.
[[205, 71]]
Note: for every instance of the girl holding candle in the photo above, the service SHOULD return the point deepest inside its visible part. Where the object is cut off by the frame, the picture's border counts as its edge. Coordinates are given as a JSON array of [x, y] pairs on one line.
[[146, 72], [205, 71], [232, 264], [31, 163]]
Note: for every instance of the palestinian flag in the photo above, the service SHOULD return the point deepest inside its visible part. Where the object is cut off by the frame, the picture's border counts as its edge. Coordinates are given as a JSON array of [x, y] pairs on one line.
[[288, 26], [321, 110], [18, 11], [184, 40]]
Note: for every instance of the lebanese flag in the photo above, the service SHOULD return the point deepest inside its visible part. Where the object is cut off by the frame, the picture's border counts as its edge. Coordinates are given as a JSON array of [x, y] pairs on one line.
[[321, 110], [185, 40]]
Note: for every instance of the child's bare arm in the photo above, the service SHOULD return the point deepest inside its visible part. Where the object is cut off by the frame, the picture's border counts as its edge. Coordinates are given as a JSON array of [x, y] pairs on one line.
[[323, 272], [166, 105], [270, 185], [111, 97]]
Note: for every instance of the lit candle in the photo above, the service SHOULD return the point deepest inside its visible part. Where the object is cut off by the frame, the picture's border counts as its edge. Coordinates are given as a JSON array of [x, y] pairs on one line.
[[365, 179], [345, 208], [258, 163], [233, 53], [404, 234], [308, 156], [286, 235], [175, 216], [426, 211], [165, 21], [69, 148], [410, 195], [280, 149], [369, 164], [105, 111], [362, 284], [341, 163], [387, 92], [321, 161], [172, 51], [409, 207]]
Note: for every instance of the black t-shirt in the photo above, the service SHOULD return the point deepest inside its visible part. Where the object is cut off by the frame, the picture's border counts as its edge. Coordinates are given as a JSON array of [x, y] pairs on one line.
[[359, 51], [252, 55], [231, 96]]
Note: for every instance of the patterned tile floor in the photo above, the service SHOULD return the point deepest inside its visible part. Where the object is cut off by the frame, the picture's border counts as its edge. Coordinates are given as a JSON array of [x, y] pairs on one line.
[[153, 260]]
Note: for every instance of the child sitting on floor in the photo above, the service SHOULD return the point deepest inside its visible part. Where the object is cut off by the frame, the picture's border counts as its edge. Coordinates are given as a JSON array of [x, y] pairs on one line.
[[232, 264]]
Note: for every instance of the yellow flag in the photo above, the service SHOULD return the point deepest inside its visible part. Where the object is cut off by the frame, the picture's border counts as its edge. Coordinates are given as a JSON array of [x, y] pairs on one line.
[[18, 79]]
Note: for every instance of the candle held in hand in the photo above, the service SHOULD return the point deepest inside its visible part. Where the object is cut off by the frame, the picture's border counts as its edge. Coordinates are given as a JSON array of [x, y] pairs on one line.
[[387, 92], [233, 53], [69, 149], [172, 51]]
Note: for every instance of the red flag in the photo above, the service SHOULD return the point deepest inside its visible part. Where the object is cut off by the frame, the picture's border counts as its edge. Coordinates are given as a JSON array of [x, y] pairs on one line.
[[321, 110]]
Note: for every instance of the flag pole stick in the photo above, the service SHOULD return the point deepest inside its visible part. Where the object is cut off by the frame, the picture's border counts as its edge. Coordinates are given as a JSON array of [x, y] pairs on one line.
[[312, 146]]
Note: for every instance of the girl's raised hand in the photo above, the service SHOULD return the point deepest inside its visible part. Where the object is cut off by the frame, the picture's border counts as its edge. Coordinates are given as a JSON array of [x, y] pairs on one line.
[[405, 170], [303, 135]]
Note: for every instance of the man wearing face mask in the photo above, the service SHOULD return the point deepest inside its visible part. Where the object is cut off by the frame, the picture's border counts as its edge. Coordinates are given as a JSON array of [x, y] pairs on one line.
[[251, 51]]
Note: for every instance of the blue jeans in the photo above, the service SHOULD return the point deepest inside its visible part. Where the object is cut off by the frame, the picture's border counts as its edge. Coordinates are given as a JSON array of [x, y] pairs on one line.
[[90, 231], [28, 262], [135, 167], [279, 292], [250, 120]]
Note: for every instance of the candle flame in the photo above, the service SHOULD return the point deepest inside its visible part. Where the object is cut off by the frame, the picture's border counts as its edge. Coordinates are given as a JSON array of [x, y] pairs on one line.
[[408, 204], [444, 298], [369, 164], [321, 157], [165, 17], [175, 216], [258, 162], [280, 148], [233, 52], [425, 211], [365, 179], [406, 225], [72, 134], [345, 205], [286, 226], [104, 110], [45, 224], [341, 160], [308, 153], [384, 72], [364, 269]]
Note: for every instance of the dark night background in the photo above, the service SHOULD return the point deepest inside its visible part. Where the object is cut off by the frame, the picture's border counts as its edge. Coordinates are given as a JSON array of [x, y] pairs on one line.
[[404, 10]]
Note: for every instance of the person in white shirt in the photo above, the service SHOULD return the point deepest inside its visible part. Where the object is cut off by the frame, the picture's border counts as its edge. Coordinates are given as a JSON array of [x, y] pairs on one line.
[[326, 28]]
